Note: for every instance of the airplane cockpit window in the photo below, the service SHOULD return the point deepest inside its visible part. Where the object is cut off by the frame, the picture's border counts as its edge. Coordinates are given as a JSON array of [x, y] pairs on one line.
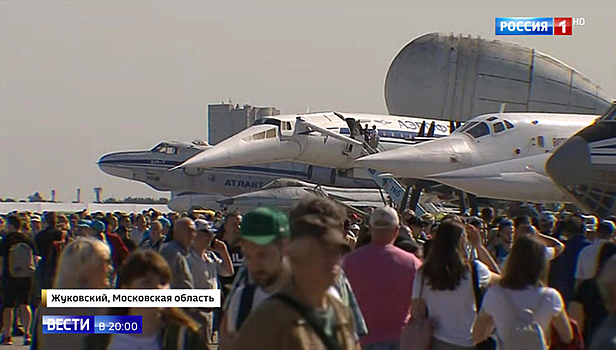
[[498, 127], [610, 114], [465, 127], [479, 130], [160, 148], [491, 119], [268, 134], [171, 150], [508, 124]]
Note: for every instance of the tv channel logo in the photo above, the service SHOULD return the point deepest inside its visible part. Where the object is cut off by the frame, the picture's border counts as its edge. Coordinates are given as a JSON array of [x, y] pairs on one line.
[[68, 324], [537, 25]]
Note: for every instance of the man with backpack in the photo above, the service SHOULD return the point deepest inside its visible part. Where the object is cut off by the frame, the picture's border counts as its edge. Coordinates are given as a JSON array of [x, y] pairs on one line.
[[302, 315], [264, 236], [17, 254]]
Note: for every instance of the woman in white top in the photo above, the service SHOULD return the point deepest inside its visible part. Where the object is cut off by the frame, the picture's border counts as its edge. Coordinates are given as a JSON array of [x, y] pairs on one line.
[[443, 288], [521, 287]]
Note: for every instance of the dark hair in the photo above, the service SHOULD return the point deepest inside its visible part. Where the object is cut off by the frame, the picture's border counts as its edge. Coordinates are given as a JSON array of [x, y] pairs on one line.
[[487, 211], [51, 218], [446, 263], [525, 230], [138, 265], [15, 221], [504, 223], [314, 225], [605, 228], [607, 250], [319, 206], [574, 225], [526, 264], [521, 221], [407, 217]]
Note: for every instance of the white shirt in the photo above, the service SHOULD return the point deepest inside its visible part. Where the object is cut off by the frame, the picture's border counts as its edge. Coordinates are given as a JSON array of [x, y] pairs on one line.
[[259, 296], [136, 235], [234, 305], [453, 310], [495, 305], [205, 270], [587, 261]]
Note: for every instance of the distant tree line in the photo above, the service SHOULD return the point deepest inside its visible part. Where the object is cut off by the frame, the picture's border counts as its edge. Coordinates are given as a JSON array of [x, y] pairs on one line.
[[37, 198], [137, 200]]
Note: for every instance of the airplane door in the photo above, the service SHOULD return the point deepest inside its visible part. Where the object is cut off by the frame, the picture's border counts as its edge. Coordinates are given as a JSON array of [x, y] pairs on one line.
[[286, 128]]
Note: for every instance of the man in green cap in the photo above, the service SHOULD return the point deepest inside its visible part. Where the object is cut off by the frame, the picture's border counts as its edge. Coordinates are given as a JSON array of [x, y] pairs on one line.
[[264, 239], [303, 315]]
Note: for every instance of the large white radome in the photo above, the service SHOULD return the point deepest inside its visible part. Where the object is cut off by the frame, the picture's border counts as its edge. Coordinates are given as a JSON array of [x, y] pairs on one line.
[[457, 76]]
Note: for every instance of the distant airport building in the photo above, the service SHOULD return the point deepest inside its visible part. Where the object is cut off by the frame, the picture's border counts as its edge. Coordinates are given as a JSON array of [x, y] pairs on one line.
[[457, 77], [226, 119]]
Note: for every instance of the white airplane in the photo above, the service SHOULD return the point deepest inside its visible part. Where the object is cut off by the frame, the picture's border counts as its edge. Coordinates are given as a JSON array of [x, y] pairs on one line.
[[585, 166], [523, 179], [486, 139], [152, 168], [328, 139], [285, 193]]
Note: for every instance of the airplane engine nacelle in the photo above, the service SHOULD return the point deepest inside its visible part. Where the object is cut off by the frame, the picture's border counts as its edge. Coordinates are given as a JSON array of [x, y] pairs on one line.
[[321, 175]]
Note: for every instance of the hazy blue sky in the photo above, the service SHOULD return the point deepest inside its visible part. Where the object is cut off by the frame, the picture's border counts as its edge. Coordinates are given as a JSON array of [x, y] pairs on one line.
[[81, 79]]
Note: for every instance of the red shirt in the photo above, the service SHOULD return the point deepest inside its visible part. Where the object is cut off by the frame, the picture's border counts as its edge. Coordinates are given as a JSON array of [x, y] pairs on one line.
[[119, 252], [382, 279]]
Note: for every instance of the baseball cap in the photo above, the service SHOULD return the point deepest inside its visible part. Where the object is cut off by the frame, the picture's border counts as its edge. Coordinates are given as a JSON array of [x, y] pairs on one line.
[[97, 226], [164, 221], [504, 223], [319, 227], [264, 225], [203, 225], [84, 223], [384, 217]]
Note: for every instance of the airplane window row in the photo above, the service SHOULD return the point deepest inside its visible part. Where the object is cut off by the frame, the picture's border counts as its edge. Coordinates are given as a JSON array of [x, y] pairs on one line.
[[394, 134], [478, 129], [269, 134], [164, 148]]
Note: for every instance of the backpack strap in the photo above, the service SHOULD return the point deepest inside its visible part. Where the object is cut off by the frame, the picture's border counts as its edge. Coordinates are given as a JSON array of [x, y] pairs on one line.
[[476, 287], [330, 343], [246, 301]]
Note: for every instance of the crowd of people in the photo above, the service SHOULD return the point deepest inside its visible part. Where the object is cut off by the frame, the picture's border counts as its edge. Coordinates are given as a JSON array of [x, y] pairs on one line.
[[322, 278]]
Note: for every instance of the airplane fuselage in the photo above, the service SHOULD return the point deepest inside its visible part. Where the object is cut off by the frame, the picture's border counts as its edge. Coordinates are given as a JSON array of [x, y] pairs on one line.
[[152, 168], [483, 140], [328, 139]]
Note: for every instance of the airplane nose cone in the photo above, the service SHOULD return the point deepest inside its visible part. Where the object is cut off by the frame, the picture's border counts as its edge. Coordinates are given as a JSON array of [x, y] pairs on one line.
[[113, 164], [421, 160], [244, 149], [571, 162]]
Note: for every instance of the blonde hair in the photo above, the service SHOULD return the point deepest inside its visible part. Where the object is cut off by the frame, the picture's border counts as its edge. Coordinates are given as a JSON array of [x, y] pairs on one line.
[[77, 260]]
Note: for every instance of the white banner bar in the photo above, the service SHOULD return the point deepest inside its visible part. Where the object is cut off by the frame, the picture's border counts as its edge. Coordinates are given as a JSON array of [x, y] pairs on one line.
[[201, 298]]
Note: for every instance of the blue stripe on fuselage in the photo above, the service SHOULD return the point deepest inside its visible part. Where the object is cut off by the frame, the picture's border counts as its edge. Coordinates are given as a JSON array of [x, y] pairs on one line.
[[168, 164]]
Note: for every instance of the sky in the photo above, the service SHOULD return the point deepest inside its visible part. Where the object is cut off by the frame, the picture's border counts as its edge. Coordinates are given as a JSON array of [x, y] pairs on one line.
[[85, 78]]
